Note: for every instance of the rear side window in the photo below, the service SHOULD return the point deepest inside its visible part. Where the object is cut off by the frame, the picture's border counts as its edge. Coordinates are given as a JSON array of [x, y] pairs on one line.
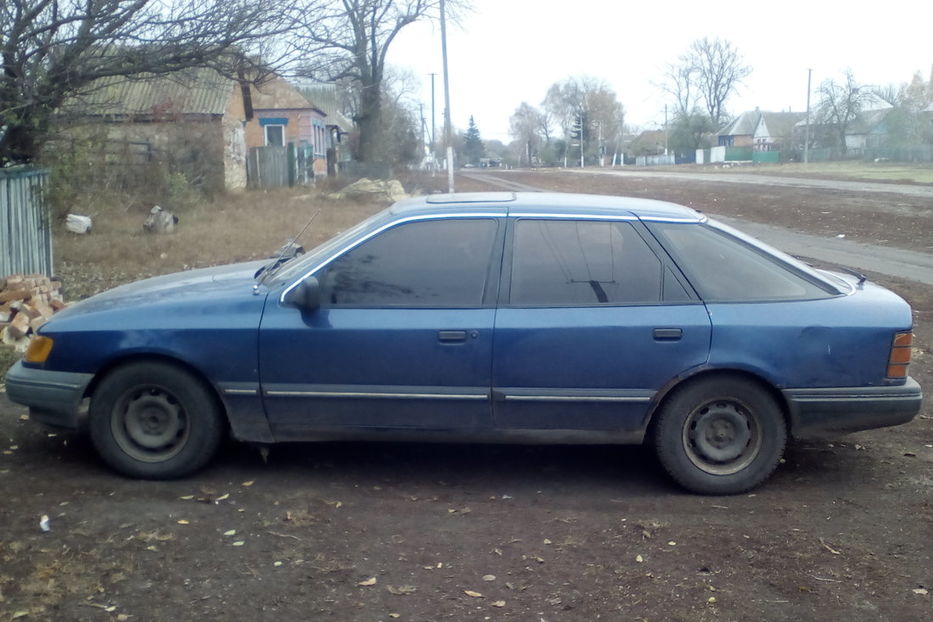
[[441, 263], [562, 262], [724, 269]]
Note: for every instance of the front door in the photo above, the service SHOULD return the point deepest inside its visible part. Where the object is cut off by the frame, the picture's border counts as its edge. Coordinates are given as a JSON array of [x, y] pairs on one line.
[[402, 340], [593, 322]]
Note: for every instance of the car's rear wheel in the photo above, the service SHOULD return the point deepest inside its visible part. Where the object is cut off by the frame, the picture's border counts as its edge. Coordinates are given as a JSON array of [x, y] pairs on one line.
[[721, 435], [153, 420]]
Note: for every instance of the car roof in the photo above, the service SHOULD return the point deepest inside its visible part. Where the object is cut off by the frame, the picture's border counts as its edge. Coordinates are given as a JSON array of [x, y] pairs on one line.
[[544, 204]]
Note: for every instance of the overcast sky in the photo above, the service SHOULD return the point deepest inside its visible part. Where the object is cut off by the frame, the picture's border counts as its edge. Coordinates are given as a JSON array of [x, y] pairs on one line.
[[509, 51]]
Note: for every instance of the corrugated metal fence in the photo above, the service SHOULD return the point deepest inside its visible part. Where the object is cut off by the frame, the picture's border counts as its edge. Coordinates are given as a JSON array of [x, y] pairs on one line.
[[25, 231]]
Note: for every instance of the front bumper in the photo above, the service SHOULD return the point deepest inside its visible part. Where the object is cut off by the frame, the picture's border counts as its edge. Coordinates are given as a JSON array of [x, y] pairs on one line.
[[53, 397], [839, 410]]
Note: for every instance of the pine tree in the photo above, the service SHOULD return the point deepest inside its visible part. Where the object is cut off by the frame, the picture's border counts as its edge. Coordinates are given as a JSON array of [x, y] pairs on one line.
[[473, 149]]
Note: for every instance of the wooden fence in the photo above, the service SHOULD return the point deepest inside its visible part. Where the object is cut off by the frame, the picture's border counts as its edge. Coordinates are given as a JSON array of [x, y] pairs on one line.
[[25, 228], [275, 167]]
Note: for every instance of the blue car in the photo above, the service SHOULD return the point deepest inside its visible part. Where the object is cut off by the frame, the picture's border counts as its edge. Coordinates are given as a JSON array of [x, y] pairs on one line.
[[501, 317]]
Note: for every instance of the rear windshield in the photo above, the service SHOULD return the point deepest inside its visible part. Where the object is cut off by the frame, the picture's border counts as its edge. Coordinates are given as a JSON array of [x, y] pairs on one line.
[[724, 265]]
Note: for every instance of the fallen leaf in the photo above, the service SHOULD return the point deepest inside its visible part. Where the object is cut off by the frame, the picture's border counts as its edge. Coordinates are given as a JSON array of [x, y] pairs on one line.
[[20, 614], [921, 591], [277, 564], [183, 522], [711, 600], [222, 497], [639, 559], [472, 594], [232, 532], [489, 577], [248, 484], [368, 582], [239, 543], [394, 615], [671, 543], [401, 590], [24, 417], [499, 603], [187, 498], [546, 541]]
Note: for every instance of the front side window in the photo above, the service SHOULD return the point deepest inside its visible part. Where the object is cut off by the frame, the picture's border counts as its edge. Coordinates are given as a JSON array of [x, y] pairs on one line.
[[722, 268], [440, 263], [577, 263]]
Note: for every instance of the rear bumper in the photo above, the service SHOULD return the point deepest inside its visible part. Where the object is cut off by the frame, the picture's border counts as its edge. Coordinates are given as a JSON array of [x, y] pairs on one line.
[[53, 397], [831, 411]]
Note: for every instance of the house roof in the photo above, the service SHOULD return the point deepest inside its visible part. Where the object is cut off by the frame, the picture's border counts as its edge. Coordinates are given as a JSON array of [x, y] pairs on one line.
[[744, 124], [190, 91], [868, 120], [277, 93], [781, 124], [324, 96]]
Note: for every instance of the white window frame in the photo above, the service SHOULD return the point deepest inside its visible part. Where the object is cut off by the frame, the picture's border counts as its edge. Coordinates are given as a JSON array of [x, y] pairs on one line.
[[265, 134]]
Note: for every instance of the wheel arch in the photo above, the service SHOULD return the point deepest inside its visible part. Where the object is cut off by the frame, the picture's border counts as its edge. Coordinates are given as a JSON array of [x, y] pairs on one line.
[[707, 374], [148, 357]]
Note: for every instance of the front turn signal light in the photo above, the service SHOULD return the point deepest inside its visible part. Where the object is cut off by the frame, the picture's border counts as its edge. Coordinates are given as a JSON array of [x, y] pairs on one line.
[[899, 360], [39, 349]]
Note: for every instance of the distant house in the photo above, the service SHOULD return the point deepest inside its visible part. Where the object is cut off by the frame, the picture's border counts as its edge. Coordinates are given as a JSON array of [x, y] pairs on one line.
[[649, 142], [775, 130], [868, 130], [741, 131], [192, 118], [282, 115], [205, 123], [324, 96]]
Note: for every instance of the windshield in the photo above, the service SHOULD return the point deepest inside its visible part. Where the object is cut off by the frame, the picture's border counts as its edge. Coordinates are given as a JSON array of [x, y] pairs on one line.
[[301, 264]]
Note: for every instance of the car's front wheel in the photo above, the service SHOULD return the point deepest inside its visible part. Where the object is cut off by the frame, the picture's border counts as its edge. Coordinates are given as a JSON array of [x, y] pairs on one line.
[[153, 420], [721, 435]]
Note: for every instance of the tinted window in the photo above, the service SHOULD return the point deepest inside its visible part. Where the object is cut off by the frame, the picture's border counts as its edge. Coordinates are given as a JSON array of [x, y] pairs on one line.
[[441, 263], [722, 268], [559, 262]]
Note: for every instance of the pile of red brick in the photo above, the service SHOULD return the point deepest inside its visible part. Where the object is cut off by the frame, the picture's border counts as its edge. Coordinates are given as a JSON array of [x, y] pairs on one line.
[[26, 303]]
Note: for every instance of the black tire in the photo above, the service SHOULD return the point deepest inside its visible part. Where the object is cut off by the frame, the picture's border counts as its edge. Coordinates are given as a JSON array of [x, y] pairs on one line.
[[153, 420], [720, 436]]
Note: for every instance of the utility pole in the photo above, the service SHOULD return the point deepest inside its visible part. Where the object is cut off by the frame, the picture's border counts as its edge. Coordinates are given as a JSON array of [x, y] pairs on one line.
[[433, 124], [806, 140], [447, 124], [665, 130]]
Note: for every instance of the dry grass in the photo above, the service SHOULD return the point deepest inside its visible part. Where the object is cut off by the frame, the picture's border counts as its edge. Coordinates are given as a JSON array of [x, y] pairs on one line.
[[232, 228], [865, 171]]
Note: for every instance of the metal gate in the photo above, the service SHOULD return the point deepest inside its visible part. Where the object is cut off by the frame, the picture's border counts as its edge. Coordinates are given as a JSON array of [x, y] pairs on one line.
[[25, 227]]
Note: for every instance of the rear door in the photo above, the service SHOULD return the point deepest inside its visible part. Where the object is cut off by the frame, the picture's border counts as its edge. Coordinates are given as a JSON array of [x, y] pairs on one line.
[[403, 338], [593, 320]]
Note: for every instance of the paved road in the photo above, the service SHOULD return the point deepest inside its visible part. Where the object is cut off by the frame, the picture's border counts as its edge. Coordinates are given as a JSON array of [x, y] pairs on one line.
[[767, 180], [883, 259]]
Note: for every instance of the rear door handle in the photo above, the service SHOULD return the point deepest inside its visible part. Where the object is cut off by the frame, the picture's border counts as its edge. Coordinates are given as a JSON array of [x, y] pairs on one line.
[[451, 336], [668, 334]]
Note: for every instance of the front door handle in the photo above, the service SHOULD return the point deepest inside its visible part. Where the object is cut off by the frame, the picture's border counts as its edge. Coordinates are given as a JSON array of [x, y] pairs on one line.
[[451, 336], [668, 334]]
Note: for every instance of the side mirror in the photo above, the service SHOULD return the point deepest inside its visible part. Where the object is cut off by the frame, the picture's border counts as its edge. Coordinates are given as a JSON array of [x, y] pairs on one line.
[[306, 296]]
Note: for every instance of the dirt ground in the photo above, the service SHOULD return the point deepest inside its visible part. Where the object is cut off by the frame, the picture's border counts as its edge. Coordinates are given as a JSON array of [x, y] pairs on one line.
[[438, 532]]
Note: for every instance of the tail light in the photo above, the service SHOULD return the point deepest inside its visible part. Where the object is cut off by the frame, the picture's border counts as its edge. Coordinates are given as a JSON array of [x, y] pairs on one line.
[[899, 360]]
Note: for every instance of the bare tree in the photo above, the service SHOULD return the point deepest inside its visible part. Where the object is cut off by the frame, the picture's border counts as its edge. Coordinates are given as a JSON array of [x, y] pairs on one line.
[[715, 68], [53, 50], [840, 103], [343, 39], [591, 99], [679, 83], [525, 126]]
